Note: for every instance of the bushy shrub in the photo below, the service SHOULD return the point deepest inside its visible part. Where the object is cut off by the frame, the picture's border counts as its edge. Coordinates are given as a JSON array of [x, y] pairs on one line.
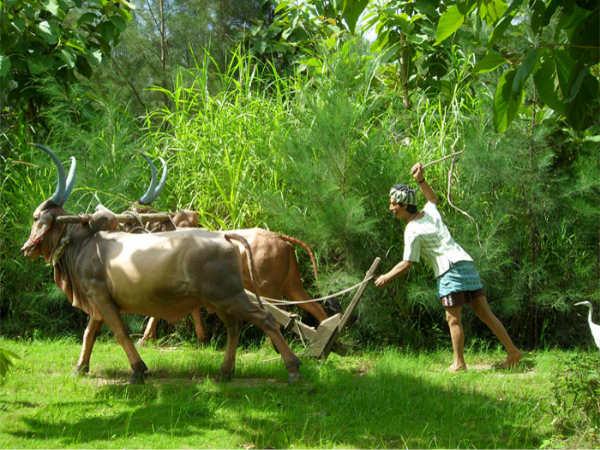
[[576, 402]]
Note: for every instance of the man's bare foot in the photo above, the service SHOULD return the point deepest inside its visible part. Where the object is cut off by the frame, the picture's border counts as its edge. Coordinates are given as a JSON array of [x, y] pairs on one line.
[[457, 367], [512, 360]]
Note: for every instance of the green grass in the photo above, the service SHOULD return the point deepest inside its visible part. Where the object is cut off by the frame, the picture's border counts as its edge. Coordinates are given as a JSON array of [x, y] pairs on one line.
[[374, 399]]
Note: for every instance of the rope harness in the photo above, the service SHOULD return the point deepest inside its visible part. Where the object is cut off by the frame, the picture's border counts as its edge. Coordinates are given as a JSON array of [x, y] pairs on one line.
[[60, 249], [320, 299]]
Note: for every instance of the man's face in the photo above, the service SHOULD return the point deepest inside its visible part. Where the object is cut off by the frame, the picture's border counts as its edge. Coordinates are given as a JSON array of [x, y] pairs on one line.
[[395, 209]]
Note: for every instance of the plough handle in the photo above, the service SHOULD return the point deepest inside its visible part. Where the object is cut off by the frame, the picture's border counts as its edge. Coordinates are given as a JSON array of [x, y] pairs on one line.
[[358, 294]]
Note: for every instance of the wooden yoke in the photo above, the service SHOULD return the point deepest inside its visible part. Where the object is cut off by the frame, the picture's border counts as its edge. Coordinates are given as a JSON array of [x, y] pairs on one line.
[[122, 218]]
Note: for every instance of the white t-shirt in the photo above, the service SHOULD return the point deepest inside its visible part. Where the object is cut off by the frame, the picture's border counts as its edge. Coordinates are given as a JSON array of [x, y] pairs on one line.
[[430, 239]]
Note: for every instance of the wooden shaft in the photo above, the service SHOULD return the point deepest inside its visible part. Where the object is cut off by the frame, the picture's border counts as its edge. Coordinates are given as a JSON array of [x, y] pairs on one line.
[[358, 293], [451, 155]]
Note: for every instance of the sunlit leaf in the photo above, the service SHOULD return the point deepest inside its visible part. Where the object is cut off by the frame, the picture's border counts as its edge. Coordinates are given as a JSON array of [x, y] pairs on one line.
[[449, 22], [47, 32], [352, 11], [489, 62], [52, 7], [506, 104], [546, 85], [505, 21], [4, 65], [524, 71]]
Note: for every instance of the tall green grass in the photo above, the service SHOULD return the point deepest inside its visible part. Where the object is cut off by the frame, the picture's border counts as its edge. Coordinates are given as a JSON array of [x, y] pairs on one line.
[[313, 155]]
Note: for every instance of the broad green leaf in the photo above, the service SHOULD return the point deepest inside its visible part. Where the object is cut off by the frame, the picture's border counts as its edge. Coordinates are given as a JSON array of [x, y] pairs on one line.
[[352, 11], [569, 20], [68, 58], [128, 4], [465, 6], [546, 85], [538, 14], [524, 70], [564, 69], [87, 18], [585, 43], [575, 84], [489, 62], [108, 31], [506, 104], [449, 22], [83, 66], [492, 10], [119, 22], [504, 22], [580, 112], [76, 45], [550, 10], [4, 65]]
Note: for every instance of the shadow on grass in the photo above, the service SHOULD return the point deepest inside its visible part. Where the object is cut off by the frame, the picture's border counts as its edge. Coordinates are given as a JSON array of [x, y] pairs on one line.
[[332, 406]]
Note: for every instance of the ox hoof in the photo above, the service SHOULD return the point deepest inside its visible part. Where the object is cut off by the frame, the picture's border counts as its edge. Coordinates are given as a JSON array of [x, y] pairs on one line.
[[294, 377], [81, 370]]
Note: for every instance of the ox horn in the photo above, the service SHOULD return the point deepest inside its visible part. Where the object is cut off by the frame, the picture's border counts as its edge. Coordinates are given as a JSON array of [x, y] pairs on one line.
[[70, 180], [63, 187], [154, 189]]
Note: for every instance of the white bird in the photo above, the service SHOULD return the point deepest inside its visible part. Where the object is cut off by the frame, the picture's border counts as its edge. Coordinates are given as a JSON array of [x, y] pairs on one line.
[[594, 328]]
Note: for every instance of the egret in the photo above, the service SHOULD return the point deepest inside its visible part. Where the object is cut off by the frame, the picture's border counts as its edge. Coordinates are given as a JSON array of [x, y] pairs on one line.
[[594, 328]]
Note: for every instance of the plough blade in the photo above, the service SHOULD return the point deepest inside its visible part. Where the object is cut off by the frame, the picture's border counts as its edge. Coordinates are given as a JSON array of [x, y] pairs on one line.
[[320, 340]]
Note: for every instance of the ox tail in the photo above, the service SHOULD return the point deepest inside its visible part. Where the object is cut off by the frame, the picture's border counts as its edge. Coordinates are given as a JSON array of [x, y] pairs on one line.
[[249, 260], [306, 248]]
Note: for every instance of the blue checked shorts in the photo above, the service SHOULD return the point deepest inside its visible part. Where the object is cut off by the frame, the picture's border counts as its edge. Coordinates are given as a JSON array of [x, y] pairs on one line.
[[460, 284]]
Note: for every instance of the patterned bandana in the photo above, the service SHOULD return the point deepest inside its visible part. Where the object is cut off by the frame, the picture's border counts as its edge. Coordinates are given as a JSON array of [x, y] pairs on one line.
[[400, 193]]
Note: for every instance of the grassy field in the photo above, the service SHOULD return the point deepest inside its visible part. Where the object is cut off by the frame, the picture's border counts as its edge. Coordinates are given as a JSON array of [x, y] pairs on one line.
[[375, 399]]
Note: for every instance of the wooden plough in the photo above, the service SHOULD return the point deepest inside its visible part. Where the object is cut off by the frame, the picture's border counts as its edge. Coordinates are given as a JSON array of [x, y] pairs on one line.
[[320, 339]]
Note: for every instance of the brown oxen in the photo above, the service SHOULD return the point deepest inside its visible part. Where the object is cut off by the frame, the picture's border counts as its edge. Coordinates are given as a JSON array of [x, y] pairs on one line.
[[278, 275], [165, 274], [274, 257]]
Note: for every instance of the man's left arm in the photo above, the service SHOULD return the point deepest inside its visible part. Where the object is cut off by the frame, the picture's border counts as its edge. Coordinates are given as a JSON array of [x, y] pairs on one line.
[[396, 271]]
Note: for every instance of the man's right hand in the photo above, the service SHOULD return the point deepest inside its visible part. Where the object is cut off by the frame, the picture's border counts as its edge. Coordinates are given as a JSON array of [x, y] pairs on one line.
[[418, 172]]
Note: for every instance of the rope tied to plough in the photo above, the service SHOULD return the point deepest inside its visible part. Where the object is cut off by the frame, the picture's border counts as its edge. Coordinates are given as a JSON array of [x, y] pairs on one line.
[[319, 299]]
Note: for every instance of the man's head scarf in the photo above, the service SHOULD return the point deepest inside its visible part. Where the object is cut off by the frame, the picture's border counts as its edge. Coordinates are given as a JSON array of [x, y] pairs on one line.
[[400, 193]]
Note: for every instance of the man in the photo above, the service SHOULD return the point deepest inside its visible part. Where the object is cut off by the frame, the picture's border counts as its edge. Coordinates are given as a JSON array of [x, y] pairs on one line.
[[458, 282]]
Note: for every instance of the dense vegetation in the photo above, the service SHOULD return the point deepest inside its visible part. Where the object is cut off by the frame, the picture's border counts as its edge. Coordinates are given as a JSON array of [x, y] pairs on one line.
[[300, 126], [297, 116]]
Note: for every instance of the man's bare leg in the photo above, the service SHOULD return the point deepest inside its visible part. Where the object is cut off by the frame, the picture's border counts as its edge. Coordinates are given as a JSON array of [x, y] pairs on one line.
[[483, 311], [453, 317]]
